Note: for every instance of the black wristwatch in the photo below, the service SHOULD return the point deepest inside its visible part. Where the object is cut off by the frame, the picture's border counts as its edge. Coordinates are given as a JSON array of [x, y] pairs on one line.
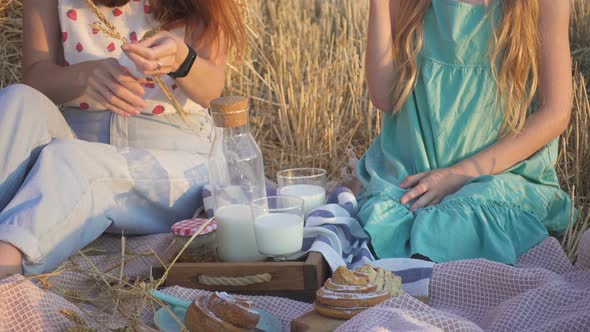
[[186, 66]]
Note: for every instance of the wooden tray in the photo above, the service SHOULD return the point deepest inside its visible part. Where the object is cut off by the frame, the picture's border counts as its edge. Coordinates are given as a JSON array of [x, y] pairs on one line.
[[298, 280]]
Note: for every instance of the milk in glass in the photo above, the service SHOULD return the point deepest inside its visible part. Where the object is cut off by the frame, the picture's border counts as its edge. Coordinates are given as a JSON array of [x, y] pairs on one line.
[[235, 234], [279, 233], [313, 196]]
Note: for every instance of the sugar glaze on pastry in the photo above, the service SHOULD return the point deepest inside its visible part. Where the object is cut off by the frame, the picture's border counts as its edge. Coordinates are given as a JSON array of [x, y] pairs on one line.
[[347, 294]]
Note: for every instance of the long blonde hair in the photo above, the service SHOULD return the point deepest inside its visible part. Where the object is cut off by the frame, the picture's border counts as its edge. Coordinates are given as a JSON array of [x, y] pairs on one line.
[[514, 55]]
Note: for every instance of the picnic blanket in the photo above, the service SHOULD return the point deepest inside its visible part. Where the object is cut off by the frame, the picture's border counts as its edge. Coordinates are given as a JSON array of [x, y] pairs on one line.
[[543, 292]]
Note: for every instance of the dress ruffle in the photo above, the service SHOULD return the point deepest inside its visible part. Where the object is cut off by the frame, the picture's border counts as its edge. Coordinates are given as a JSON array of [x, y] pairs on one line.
[[458, 228]]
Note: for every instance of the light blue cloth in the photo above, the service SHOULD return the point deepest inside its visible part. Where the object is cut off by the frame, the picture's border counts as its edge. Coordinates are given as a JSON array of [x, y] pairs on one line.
[[451, 115], [58, 193]]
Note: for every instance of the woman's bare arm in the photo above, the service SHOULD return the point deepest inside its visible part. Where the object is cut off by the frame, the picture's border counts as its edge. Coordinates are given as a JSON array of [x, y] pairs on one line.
[[207, 79], [43, 54]]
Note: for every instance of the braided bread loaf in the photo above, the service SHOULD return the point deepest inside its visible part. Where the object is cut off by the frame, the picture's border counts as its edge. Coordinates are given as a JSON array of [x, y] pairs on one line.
[[383, 279]]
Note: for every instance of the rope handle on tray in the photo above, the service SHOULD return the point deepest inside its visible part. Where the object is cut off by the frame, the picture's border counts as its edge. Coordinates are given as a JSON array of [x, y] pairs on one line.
[[235, 281]]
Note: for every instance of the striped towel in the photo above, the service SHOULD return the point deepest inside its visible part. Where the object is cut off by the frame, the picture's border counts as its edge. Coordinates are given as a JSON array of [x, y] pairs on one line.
[[334, 231]]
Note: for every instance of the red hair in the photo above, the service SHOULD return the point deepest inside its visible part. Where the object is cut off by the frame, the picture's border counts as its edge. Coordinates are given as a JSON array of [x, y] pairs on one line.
[[218, 21]]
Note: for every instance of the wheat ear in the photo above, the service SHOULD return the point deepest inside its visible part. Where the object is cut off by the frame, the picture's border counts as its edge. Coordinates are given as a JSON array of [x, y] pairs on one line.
[[106, 31], [105, 25], [151, 33]]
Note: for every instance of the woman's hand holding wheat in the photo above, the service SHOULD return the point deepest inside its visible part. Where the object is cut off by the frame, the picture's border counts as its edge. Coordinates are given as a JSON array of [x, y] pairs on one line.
[[158, 55]]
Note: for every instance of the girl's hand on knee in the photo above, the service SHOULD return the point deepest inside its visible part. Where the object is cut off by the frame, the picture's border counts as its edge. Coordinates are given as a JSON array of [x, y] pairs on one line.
[[158, 55], [111, 85], [430, 188]]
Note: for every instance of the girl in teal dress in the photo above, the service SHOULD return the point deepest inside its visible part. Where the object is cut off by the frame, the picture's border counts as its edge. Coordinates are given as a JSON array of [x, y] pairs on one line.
[[474, 94]]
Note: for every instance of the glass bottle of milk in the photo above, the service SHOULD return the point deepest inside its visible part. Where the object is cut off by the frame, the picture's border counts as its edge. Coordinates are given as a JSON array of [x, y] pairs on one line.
[[236, 175]]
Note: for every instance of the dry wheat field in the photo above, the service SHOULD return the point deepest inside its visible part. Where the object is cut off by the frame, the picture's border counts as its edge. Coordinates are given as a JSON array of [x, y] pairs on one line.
[[305, 74]]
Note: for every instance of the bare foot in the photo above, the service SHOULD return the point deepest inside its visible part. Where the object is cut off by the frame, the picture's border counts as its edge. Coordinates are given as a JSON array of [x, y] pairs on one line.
[[10, 260]]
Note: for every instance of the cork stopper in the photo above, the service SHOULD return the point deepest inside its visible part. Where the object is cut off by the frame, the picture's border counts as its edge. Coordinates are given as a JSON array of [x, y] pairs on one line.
[[230, 112]]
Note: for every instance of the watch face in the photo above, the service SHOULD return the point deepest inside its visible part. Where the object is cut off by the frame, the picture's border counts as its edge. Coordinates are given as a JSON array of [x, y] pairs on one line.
[[111, 3]]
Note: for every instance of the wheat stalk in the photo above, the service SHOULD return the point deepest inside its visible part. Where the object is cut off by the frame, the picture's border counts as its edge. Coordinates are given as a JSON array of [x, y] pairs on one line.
[[104, 22], [73, 316], [150, 33], [118, 292], [171, 98], [107, 31]]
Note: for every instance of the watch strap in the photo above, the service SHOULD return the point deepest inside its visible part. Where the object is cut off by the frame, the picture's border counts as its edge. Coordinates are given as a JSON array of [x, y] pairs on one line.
[[186, 66]]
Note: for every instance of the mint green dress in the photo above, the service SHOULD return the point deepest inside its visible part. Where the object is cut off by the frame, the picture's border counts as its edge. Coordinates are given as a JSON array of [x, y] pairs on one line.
[[451, 115]]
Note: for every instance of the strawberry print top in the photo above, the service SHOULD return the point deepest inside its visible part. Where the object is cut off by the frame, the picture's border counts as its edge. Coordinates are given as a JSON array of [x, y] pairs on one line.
[[82, 42]]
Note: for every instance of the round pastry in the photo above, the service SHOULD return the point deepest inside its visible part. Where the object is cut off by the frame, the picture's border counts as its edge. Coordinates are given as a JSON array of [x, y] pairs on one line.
[[350, 299], [235, 310], [348, 293], [338, 313], [331, 285], [200, 317]]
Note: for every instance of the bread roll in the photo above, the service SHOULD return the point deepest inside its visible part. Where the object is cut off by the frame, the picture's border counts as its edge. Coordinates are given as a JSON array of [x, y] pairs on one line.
[[331, 285], [234, 310], [200, 317], [348, 293], [338, 313], [350, 299]]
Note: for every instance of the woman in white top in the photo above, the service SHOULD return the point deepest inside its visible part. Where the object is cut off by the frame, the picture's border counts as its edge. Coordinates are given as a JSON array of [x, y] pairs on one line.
[[121, 157]]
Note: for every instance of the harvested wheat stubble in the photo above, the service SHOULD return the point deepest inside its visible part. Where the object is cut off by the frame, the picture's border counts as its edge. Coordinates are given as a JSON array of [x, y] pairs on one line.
[[304, 74], [10, 41]]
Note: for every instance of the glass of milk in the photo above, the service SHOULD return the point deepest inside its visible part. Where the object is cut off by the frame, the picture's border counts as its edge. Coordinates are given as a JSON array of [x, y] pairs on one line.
[[278, 226], [235, 234], [306, 183]]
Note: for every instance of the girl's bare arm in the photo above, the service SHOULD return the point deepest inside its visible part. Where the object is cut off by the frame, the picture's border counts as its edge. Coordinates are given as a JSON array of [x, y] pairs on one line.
[[379, 59], [545, 124], [555, 98]]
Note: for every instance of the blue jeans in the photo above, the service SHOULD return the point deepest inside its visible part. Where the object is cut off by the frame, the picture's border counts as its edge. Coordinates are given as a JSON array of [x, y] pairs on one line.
[[59, 193]]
